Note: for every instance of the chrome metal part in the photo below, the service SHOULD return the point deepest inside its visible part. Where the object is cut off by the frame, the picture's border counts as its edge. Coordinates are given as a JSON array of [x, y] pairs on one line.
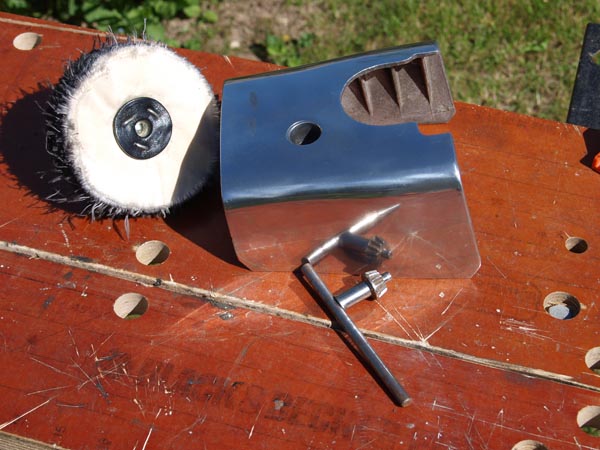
[[341, 318], [306, 157], [372, 249], [373, 285]]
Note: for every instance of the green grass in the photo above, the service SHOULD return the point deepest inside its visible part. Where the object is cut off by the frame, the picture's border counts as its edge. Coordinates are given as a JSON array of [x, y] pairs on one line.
[[121, 16], [514, 55]]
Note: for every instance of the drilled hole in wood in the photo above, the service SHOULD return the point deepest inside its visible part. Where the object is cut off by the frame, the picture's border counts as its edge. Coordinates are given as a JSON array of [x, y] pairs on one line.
[[130, 306], [592, 359], [561, 305], [588, 419], [576, 244], [529, 445], [152, 252], [27, 41]]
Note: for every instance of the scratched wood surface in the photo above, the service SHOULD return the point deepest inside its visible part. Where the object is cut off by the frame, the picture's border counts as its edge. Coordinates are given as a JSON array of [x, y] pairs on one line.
[[228, 358]]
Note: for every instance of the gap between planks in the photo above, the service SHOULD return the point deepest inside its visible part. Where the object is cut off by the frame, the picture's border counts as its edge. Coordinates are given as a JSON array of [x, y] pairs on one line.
[[10, 441], [224, 300], [55, 27]]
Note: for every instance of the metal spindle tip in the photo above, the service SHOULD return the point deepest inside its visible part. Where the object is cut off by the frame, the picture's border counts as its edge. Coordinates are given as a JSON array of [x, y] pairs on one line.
[[406, 402]]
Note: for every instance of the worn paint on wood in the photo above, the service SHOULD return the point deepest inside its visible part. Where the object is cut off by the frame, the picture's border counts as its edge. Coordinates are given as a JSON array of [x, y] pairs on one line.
[[235, 359]]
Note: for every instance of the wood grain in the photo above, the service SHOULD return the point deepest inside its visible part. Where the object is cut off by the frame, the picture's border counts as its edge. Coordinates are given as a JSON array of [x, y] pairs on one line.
[[230, 358]]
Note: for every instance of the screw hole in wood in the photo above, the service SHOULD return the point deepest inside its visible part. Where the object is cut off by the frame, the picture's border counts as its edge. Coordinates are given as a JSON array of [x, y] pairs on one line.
[[576, 244], [561, 305], [592, 359], [529, 445], [588, 419], [152, 253], [27, 41], [130, 306]]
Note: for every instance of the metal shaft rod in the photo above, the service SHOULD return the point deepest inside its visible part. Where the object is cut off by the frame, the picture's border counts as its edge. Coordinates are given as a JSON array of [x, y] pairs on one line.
[[362, 291], [394, 388]]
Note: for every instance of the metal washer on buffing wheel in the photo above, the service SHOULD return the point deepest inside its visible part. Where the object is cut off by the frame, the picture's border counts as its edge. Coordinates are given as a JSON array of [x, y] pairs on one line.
[[142, 128]]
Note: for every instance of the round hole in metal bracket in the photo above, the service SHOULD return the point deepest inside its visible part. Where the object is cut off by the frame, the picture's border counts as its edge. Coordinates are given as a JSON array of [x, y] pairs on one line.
[[303, 133], [588, 419], [130, 306], [561, 305], [27, 41], [592, 359], [152, 253], [529, 445], [576, 244]]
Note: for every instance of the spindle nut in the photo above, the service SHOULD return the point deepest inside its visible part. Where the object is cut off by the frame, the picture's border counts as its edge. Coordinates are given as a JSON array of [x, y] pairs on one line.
[[377, 282]]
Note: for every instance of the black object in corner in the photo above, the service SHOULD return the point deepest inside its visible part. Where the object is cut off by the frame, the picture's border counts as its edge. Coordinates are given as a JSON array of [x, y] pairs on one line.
[[585, 100]]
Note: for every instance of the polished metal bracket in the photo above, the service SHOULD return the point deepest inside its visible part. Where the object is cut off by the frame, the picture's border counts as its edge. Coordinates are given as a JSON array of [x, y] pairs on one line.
[[325, 166], [310, 152]]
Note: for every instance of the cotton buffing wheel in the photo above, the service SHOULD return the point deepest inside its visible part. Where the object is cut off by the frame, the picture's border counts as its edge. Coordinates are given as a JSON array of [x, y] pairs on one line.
[[134, 127]]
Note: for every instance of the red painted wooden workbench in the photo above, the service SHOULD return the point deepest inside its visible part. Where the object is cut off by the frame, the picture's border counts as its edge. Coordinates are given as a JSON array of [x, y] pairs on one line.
[[228, 358]]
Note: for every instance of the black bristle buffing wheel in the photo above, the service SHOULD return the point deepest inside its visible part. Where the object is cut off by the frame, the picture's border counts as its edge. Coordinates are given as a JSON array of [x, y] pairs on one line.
[[132, 129]]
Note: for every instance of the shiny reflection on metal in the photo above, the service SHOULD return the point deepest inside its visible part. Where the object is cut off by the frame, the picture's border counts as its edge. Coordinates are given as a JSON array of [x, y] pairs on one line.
[[371, 358], [283, 202], [373, 286], [346, 237], [372, 249]]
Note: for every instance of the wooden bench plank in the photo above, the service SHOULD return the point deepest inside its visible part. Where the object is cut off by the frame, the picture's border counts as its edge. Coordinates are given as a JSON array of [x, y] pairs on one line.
[[528, 191], [189, 372]]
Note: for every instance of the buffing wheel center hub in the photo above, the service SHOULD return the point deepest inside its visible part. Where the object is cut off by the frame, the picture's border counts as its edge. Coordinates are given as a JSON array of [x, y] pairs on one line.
[[142, 128]]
